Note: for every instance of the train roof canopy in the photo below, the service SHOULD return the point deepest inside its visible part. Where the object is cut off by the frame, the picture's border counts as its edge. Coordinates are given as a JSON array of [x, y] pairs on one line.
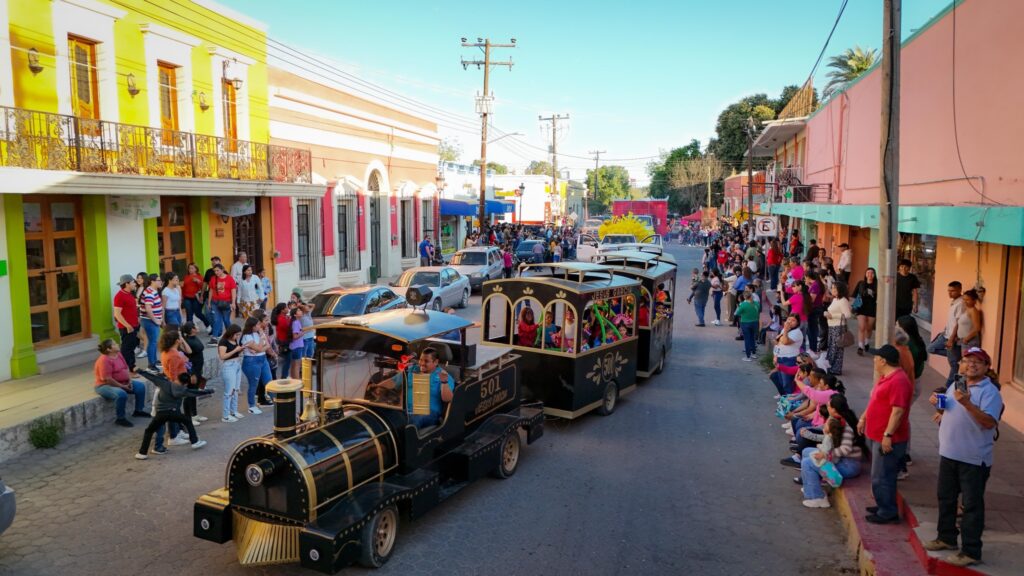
[[404, 324]]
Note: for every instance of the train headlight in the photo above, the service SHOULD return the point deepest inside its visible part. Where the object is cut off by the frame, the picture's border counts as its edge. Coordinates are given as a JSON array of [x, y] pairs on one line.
[[257, 471]]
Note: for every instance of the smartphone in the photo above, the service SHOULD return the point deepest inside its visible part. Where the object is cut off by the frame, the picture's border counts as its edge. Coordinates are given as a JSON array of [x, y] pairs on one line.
[[961, 384]]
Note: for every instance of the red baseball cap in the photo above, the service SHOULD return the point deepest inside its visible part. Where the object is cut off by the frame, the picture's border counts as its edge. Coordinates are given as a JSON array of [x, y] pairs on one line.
[[978, 353]]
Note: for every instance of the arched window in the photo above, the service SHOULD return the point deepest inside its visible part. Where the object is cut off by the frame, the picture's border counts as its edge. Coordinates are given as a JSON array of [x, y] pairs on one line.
[[497, 313], [560, 327], [664, 296], [527, 327]]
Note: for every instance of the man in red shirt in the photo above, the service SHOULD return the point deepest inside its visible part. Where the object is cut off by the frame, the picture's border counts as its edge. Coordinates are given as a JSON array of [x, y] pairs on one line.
[[886, 425], [126, 314], [223, 293]]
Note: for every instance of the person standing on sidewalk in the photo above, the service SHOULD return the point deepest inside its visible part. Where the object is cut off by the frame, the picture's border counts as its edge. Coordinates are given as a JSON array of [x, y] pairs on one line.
[[153, 319], [968, 416], [192, 295], [837, 315], [126, 314], [845, 265], [699, 291], [887, 428], [749, 314], [945, 344], [223, 293], [907, 288]]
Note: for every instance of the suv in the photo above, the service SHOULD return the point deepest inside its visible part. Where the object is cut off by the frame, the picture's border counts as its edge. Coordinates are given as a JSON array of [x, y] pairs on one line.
[[479, 264]]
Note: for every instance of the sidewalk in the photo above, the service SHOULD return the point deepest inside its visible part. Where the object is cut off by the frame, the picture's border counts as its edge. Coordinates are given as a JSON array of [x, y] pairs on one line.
[[1004, 498]]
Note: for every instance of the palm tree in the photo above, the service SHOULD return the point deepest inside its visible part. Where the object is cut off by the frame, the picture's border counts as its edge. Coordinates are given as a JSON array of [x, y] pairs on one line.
[[847, 66]]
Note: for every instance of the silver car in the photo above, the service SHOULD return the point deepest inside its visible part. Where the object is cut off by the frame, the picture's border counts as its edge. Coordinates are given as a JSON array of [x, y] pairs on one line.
[[449, 287], [479, 263]]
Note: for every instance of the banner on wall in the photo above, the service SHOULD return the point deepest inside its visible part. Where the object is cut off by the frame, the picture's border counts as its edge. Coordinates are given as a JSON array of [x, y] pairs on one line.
[[233, 207], [134, 207]]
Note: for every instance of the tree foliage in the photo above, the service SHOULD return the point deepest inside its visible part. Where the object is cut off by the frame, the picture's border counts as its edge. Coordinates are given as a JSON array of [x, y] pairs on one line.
[[540, 167], [846, 66], [450, 150], [497, 168], [612, 183]]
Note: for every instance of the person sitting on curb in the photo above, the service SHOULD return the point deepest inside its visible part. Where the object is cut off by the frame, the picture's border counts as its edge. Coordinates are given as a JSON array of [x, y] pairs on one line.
[[969, 413], [845, 454], [114, 382]]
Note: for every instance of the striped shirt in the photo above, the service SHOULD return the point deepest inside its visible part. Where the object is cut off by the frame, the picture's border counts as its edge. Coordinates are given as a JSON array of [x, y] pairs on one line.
[[152, 297]]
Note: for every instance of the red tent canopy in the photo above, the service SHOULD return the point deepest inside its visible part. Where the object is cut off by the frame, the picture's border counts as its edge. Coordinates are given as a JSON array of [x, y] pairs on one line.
[[695, 217]]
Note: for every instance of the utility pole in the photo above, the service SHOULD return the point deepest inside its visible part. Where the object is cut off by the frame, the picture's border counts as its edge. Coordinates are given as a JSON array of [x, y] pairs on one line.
[[597, 166], [483, 106], [750, 176], [889, 189], [554, 118]]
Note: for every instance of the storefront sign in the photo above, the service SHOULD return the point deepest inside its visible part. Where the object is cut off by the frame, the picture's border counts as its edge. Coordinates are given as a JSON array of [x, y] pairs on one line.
[[134, 207], [233, 207], [506, 193]]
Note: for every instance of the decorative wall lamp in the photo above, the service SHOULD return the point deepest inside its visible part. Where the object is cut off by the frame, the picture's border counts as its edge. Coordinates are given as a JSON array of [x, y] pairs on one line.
[[33, 61], [133, 88], [200, 98], [235, 82]]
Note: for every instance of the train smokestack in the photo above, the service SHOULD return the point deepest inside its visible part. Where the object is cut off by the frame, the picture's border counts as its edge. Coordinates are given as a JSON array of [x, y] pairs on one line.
[[284, 406]]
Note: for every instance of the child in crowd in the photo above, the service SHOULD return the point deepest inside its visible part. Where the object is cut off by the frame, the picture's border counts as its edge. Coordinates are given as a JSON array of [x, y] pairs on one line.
[[774, 324], [168, 409]]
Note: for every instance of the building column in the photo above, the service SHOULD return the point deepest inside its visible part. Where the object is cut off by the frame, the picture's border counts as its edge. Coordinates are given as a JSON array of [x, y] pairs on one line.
[[23, 354], [199, 221], [150, 232], [97, 261]]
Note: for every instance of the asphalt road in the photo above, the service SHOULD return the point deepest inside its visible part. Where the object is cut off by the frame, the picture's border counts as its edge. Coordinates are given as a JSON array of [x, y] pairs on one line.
[[682, 479]]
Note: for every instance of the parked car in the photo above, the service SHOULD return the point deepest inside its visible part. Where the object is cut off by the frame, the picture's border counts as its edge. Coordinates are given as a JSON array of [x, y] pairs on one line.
[[524, 252], [479, 264], [342, 302], [449, 287], [7, 506], [588, 248]]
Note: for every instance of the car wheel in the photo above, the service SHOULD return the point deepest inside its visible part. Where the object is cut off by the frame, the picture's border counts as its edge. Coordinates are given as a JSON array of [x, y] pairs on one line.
[[609, 399], [465, 299], [379, 535], [437, 305], [508, 455]]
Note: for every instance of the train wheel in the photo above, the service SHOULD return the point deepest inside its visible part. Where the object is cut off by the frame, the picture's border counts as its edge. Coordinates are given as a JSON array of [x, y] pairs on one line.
[[379, 535], [509, 454], [661, 363], [609, 399]]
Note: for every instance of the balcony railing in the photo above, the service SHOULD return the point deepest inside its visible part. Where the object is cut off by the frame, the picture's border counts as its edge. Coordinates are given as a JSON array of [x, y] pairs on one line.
[[45, 141]]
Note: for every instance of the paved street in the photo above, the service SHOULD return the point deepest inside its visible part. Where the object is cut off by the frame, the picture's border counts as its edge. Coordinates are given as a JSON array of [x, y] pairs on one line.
[[683, 478]]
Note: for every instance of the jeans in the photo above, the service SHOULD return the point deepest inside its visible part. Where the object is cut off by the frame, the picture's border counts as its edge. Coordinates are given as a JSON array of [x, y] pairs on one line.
[[193, 310], [814, 328], [953, 355], [716, 298], [172, 317], [129, 341], [798, 425], [231, 374], [699, 306], [221, 311], [783, 382], [958, 479], [152, 335], [883, 477], [773, 277], [157, 424], [309, 347], [847, 467], [120, 396], [749, 331], [284, 360], [257, 374]]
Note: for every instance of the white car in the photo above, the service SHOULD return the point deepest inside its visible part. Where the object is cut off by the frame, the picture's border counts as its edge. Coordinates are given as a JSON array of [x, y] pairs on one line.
[[449, 287], [588, 249]]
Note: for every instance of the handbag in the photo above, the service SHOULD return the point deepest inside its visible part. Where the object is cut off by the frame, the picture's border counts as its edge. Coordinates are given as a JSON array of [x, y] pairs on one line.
[[846, 340], [857, 303]]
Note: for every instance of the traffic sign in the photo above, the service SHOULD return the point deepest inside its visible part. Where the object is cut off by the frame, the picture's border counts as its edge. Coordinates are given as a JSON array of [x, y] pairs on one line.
[[766, 225]]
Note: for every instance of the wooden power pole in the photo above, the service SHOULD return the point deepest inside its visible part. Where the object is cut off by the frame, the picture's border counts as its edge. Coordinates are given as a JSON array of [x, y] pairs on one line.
[[483, 107], [554, 118], [597, 167], [889, 189]]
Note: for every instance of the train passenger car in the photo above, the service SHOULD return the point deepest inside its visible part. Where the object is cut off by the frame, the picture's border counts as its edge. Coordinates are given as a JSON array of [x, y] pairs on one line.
[[574, 326], [657, 276], [328, 488]]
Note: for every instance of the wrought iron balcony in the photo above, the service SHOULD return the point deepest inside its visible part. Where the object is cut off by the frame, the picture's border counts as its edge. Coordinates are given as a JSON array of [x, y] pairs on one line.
[[46, 141]]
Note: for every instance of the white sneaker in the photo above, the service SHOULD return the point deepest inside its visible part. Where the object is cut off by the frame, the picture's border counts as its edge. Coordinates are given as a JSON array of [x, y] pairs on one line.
[[196, 421], [716, 323], [199, 444], [178, 441], [255, 410], [237, 416], [201, 418], [776, 397], [229, 419], [787, 426], [748, 359], [182, 435], [817, 503], [141, 456]]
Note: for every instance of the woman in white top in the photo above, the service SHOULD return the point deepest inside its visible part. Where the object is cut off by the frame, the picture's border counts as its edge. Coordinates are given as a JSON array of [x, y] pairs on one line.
[[568, 343], [171, 295], [837, 314], [969, 323], [250, 292]]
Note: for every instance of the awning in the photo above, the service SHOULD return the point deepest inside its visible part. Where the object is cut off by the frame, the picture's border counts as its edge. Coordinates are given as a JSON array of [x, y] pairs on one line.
[[500, 207], [457, 208], [695, 217], [775, 134]]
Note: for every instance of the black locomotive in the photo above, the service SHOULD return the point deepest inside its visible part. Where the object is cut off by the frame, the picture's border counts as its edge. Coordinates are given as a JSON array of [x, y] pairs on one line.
[[329, 487]]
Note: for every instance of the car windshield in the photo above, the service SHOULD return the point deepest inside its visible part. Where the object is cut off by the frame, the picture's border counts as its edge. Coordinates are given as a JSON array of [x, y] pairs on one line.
[[618, 239], [527, 246], [469, 259], [422, 277], [332, 305]]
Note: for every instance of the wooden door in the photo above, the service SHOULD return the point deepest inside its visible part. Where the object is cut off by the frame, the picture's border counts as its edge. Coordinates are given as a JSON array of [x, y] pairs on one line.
[[168, 102], [246, 232], [174, 236], [230, 116], [56, 269]]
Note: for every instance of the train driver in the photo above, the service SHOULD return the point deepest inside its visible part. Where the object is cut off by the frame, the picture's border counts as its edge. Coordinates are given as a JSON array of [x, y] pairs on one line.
[[441, 386]]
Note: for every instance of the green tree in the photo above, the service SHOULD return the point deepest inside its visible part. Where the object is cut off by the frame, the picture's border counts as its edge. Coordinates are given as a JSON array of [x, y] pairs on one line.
[[497, 168], [541, 167], [847, 66], [660, 170], [730, 144], [449, 150], [612, 183]]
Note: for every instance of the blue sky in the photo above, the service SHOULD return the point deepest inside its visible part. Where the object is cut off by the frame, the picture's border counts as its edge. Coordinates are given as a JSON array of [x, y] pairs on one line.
[[635, 77]]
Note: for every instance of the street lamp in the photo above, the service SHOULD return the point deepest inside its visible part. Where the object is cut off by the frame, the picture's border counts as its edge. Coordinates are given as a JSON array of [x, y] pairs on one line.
[[519, 195]]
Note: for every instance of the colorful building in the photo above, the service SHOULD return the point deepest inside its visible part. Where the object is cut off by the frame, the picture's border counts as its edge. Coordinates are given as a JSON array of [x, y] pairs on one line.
[[133, 137], [961, 214], [377, 168]]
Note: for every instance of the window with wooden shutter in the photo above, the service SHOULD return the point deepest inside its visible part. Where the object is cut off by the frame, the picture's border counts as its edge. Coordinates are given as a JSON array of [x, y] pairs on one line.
[[85, 97], [168, 101], [230, 116]]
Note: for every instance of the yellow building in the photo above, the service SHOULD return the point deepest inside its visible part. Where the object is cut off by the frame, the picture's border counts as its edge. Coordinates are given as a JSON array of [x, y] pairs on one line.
[[133, 136]]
